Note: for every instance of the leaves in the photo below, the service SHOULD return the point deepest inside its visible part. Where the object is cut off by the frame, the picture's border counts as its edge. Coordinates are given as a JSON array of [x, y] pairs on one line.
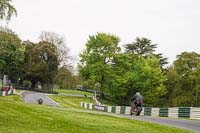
[[7, 10], [94, 60], [120, 75], [144, 47], [41, 62], [11, 53], [183, 80]]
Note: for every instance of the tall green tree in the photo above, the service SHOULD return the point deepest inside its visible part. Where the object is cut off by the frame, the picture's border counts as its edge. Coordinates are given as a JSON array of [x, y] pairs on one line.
[[172, 84], [134, 73], [184, 76], [94, 66], [144, 47], [11, 54], [120, 75], [7, 10], [41, 64], [149, 80], [141, 46], [64, 78]]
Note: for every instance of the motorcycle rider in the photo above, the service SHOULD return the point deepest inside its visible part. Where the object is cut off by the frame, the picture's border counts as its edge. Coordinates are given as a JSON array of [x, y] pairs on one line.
[[135, 100]]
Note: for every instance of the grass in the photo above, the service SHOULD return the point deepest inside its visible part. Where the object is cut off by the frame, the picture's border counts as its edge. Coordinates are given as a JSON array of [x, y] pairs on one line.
[[65, 91], [19, 117], [18, 90], [69, 101]]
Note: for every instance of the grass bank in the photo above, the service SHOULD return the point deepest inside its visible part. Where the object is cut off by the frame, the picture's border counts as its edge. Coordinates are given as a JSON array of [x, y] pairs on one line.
[[19, 117], [65, 91], [69, 101]]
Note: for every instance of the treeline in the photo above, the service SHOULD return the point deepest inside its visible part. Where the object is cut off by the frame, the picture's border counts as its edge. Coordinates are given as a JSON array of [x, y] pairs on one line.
[[36, 66], [118, 74]]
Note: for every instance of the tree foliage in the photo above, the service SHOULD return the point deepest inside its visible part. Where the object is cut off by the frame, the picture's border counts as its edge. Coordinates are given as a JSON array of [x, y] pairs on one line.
[[105, 68], [59, 42], [7, 10], [132, 73], [65, 79], [11, 53], [145, 48], [41, 63], [183, 80], [94, 60]]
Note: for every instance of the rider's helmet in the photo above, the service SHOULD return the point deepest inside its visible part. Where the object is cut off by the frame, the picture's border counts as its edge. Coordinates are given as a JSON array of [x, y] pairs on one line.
[[137, 93]]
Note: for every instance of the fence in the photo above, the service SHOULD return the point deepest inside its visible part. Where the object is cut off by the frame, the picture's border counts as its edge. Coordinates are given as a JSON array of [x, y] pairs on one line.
[[176, 112]]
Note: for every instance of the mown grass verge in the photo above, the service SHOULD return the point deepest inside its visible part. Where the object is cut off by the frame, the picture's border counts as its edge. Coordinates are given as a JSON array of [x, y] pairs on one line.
[[19, 117], [70, 101], [66, 91]]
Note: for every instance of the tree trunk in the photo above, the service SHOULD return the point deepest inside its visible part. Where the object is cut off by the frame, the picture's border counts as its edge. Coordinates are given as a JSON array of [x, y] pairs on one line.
[[33, 83], [2, 75], [2, 81]]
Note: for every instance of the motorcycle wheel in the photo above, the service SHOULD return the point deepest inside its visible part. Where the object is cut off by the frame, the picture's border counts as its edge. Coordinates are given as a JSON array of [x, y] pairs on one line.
[[131, 111], [138, 111]]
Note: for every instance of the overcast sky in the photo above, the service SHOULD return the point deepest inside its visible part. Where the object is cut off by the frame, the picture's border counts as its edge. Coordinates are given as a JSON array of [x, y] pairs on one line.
[[172, 24]]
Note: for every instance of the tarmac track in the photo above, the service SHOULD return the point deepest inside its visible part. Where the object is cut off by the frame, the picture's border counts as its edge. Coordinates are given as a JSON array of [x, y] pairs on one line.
[[193, 125]]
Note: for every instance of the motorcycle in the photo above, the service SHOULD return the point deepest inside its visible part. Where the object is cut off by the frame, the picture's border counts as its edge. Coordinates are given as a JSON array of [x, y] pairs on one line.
[[137, 109]]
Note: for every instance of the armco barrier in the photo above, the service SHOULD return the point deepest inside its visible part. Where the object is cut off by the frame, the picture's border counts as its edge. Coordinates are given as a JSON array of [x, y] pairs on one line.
[[155, 112], [195, 113], [109, 109], [175, 112], [184, 112], [163, 112], [147, 111], [128, 110], [122, 110], [113, 109]]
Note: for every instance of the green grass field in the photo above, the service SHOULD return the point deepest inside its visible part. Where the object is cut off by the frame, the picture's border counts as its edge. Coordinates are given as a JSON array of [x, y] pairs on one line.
[[65, 91], [19, 117], [70, 102]]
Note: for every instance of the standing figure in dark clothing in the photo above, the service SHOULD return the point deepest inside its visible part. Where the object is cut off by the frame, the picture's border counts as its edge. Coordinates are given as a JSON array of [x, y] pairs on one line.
[[136, 104]]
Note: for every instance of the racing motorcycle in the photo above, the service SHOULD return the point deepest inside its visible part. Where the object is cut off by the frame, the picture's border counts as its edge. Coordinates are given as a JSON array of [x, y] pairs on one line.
[[137, 109]]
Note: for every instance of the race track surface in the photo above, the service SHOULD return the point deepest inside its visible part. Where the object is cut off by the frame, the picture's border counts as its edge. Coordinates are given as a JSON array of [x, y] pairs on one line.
[[193, 125], [32, 97]]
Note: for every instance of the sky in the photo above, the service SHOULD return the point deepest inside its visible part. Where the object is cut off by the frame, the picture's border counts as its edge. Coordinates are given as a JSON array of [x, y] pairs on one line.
[[172, 24]]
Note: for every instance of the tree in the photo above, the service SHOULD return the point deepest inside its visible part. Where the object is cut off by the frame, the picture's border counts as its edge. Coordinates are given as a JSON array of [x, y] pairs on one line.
[[11, 54], [41, 64], [145, 48], [142, 46], [120, 75], [65, 79], [94, 65], [59, 42], [134, 73], [185, 74], [149, 80], [172, 84], [7, 10]]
